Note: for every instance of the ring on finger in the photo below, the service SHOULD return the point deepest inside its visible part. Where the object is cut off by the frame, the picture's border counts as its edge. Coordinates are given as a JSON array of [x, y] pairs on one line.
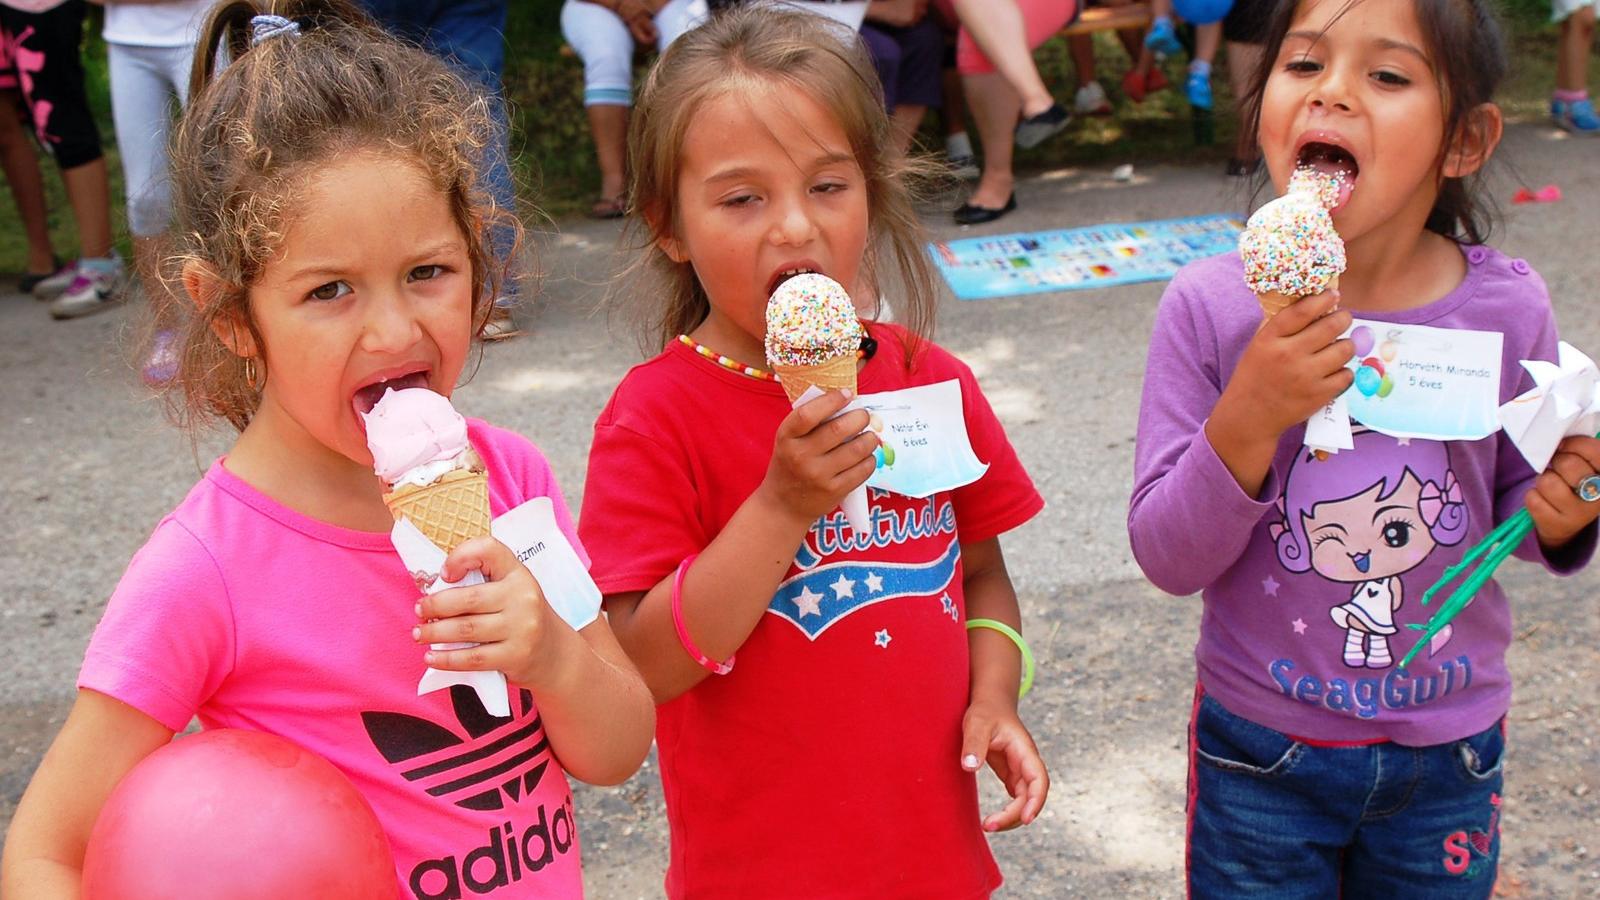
[[1589, 489]]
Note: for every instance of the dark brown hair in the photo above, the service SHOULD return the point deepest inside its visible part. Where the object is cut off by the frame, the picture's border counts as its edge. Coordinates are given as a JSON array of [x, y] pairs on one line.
[[262, 115], [1466, 48], [763, 45]]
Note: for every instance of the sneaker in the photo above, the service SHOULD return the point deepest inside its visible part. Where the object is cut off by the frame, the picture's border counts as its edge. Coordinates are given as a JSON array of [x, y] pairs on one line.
[[1136, 88], [1035, 130], [91, 291], [501, 325], [1091, 101], [52, 286], [1576, 116], [963, 167], [1162, 38], [1198, 87]]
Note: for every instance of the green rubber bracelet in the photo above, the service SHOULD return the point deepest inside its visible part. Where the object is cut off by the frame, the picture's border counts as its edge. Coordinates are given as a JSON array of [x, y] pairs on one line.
[[1022, 645]]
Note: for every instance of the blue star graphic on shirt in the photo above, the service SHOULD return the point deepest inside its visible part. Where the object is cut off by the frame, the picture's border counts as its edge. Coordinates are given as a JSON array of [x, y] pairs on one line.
[[882, 638], [813, 600]]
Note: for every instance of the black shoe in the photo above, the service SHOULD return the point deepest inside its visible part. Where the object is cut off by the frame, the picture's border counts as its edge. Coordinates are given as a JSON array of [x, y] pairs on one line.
[[969, 214], [29, 280], [1035, 130]]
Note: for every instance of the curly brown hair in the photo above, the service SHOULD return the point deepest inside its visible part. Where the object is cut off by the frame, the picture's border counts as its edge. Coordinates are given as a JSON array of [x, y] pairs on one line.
[[263, 114], [770, 44]]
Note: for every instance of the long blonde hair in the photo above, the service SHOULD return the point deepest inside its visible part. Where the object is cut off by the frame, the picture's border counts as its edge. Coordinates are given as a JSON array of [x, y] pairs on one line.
[[759, 45]]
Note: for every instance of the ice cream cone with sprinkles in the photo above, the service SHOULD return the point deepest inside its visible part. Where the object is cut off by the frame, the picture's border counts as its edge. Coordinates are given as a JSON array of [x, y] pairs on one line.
[[813, 340], [1289, 247], [813, 335]]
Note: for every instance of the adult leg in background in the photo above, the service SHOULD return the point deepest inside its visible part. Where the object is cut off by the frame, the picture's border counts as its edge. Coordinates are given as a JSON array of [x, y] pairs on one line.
[[602, 40], [21, 165]]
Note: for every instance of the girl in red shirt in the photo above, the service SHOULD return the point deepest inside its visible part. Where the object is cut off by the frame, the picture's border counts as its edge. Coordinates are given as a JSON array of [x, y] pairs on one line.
[[837, 758]]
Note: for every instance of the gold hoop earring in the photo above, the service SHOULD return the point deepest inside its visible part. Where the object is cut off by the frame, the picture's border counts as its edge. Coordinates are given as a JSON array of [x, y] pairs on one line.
[[250, 373]]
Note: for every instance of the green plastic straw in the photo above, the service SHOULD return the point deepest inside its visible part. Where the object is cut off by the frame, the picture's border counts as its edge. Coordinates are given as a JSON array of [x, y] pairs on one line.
[[1494, 548]]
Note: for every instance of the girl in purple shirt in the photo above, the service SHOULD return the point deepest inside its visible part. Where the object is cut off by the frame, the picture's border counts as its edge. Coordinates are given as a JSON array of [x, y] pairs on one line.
[[1319, 765]]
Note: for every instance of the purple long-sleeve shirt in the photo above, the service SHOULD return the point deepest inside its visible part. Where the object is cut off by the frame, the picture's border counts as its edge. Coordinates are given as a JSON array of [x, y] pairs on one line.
[[1309, 586]]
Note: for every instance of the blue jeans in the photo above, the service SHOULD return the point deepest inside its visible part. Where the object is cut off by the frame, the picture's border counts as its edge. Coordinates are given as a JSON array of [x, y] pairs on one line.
[[1270, 816], [471, 34]]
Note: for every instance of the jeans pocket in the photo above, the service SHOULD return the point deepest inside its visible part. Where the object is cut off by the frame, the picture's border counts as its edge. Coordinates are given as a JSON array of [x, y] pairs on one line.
[[1481, 756], [1225, 741]]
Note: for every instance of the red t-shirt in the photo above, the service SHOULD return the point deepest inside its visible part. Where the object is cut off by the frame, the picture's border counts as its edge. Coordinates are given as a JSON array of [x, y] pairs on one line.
[[827, 764]]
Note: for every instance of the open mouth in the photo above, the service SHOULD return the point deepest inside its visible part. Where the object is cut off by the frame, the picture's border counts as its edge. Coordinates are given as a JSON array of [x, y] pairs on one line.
[[785, 274], [367, 397], [1331, 161], [1363, 561]]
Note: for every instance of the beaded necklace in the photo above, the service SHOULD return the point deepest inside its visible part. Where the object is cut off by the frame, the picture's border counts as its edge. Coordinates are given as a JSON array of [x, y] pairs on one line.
[[868, 347], [731, 365]]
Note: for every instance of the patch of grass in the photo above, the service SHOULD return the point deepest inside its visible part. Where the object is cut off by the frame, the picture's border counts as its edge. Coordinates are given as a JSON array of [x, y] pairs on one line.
[[554, 157]]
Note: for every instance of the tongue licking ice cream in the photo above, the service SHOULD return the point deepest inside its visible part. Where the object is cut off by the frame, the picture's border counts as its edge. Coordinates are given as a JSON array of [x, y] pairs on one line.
[[1289, 247], [813, 335], [431, 474]]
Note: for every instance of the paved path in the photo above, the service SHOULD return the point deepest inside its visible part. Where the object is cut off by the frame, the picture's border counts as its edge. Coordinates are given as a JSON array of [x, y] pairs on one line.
[[94, 468]]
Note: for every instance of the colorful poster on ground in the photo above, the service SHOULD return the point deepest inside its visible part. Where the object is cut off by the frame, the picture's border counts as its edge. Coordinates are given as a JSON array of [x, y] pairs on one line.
[[1099, 256]]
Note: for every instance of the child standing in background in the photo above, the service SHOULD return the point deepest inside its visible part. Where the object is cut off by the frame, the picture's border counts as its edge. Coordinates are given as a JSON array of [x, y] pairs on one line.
[[150, 51], [836, 755], [1570, 106], [41, 67], [336, 243], [1319, 767]]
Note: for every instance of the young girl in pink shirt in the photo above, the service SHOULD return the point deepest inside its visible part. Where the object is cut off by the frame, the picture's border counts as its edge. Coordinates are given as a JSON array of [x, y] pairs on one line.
[[334, 245]]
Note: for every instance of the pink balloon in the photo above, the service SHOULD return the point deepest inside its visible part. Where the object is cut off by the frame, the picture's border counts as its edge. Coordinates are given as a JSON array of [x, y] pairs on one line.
[[237, 814]]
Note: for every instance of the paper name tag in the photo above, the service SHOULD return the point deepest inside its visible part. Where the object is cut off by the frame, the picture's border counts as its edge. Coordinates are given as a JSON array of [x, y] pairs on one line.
[[1415, 381], [533, 535], [531, 532], [926, 448]]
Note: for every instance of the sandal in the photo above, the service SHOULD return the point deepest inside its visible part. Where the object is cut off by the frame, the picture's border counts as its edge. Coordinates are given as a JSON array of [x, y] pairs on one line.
[[614, 208]]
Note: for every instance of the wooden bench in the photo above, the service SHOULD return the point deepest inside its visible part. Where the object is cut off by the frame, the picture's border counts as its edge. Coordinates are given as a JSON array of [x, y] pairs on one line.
[[1110, 18]]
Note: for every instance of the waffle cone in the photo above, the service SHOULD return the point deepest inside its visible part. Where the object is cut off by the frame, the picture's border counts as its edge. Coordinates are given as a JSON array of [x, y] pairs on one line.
[[448, 512], [834, 374], [1273, 302]]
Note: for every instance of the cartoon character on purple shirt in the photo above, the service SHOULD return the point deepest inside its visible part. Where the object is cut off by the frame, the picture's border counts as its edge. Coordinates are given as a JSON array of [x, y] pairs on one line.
[[1364, 517]]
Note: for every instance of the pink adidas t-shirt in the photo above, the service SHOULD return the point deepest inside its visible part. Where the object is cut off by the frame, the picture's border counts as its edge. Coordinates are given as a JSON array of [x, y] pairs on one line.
[[250, 615]]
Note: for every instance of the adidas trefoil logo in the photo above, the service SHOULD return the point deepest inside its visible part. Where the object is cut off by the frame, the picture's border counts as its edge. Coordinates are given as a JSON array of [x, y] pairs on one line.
[[496, 759]]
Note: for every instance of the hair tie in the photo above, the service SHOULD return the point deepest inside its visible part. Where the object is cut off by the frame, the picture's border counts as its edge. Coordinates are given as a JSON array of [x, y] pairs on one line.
[[267, 27]]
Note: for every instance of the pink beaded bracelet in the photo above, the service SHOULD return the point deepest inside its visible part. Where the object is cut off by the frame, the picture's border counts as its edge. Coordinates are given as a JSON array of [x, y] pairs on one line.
[[715, 668]]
